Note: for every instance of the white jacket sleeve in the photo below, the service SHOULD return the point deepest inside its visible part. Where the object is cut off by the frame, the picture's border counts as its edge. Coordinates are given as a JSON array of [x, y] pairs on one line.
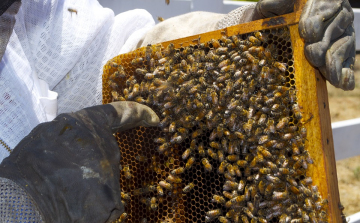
[[55, 57]]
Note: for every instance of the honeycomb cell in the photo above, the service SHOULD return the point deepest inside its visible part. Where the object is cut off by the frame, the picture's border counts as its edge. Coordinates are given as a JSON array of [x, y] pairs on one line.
[[220, 95]]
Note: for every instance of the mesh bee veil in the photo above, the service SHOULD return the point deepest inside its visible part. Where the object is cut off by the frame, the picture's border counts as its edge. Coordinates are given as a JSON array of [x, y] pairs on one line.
[[62, 44], [237, 16]]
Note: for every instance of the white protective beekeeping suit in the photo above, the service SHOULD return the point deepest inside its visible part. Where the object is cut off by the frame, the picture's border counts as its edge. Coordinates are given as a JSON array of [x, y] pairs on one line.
[[54, 59]]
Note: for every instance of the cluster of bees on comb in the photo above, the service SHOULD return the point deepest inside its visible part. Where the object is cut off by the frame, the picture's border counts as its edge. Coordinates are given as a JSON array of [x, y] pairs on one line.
[[227, 105]]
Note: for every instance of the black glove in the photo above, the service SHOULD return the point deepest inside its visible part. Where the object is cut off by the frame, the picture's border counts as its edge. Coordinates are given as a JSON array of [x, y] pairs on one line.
[[70, 166], [327, 28]]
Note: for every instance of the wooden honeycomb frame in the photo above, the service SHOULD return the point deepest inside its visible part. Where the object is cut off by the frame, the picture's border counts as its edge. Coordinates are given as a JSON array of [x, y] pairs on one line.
[[311, 95]]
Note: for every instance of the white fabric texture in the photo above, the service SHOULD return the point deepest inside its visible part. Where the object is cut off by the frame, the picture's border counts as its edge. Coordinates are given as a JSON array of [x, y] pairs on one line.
[[55, 51]]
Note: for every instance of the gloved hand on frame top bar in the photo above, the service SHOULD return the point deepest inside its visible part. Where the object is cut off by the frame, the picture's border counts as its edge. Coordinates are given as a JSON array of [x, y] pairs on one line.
[[327, 28], [325, 25], [70, 167]]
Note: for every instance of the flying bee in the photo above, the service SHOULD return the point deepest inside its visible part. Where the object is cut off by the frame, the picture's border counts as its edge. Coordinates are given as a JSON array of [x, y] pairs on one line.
[[127, 172], [189, 163], [207, 165], [188, 188]]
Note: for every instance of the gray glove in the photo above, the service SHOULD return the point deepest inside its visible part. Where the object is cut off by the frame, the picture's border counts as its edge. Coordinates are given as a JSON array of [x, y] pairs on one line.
[[327, 28], [70, 166]]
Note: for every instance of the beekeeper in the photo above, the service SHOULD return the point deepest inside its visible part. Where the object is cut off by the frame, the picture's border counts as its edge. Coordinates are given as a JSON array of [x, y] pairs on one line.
[[67, 170]]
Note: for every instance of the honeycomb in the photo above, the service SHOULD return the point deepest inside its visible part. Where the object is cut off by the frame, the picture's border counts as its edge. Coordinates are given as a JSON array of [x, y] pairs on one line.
[[230, 144]]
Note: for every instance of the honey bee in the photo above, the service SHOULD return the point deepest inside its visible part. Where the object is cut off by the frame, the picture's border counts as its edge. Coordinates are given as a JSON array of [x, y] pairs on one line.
[[188, 188], [269, 189], [230, 185], [212, 154], [173, 179], [232, 158], [242, 163], [280, 66], [186, 154], [215, 43], [282, 123], [127, 172], [297, 112], [280, 195], [153, 204], [254, 40], [160, 191], [167, 2], [201, 150], [160, 19], [141, 158], [137, 61], [221, 50], [123, 217], [215, 145], [206, 164], [125, 196], [163, 147], [220, 156], [241, 186], [218, 199], [165, 185], [189, 163], [196, 133]]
